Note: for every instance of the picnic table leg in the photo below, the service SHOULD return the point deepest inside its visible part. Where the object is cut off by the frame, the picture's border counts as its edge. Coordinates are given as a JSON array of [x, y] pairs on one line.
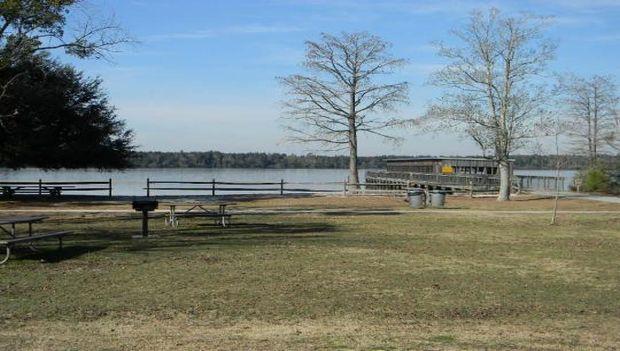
[[31, 245], [145, 223], [174, 223], [6, 256], [223, 214]]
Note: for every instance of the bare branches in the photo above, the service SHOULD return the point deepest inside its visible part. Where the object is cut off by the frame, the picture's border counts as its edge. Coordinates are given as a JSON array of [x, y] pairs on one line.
[[489, 95], [29, 26], [591, 105], [341, 94]]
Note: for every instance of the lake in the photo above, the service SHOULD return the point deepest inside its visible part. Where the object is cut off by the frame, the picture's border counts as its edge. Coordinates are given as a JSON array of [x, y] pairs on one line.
[[131, 182]]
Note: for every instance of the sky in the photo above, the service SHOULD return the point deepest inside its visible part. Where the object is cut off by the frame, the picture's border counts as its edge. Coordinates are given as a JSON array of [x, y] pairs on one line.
[[202, 76]]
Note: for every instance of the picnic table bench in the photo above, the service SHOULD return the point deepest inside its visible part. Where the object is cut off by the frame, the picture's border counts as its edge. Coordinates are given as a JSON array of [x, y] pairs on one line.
[[198, 209], [9, 243], [14, 239]]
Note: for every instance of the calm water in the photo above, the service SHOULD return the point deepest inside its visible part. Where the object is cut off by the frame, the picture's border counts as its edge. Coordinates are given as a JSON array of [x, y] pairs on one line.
[[131, 182]]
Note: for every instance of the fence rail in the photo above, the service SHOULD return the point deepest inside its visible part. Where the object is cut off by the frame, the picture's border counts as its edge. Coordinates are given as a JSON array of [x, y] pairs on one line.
[[214, 187]]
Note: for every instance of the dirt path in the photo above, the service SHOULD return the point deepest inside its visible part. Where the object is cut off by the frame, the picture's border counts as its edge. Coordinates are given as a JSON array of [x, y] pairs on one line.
[[591, 197], [338, 211]]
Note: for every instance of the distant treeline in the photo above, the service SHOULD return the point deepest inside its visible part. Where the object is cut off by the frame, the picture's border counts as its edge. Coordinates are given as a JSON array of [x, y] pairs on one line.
[[215, 159]]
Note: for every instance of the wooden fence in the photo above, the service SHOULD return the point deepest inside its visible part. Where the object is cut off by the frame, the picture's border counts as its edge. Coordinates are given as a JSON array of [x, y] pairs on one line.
[[282, 187], [214, 187]]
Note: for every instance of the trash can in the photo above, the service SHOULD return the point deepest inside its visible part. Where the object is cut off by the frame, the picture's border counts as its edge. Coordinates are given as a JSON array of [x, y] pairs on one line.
[[417, 198], [438, 198]]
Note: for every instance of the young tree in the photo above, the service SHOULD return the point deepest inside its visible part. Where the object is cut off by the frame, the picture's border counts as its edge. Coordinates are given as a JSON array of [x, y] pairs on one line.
[[490, 93], [343, 93], [591, 104], [64, 120], [28, 27]]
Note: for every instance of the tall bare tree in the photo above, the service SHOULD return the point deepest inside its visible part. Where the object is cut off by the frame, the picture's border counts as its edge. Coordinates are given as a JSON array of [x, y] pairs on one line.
[[490, 92], [28, 27], [343, 94], [591, 104]]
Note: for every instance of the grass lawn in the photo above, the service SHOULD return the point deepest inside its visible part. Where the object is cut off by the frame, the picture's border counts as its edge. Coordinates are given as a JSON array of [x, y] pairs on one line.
[[321, 281]]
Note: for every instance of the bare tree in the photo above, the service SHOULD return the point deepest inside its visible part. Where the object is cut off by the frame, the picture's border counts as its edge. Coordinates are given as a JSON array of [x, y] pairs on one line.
[[28, 27], [343, 94], [489, 85], [591, 104]]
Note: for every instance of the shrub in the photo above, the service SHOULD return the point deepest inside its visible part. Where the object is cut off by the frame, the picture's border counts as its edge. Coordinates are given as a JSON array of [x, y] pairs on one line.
[[594, 179]]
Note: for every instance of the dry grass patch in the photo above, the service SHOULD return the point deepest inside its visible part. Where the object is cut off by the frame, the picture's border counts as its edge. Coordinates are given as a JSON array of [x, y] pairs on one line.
[[319, 281], [188, 333], [518, 203]]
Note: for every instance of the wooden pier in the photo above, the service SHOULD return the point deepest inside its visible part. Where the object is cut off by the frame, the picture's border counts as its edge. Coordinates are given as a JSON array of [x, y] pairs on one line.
[[465, 174], [472, 183]]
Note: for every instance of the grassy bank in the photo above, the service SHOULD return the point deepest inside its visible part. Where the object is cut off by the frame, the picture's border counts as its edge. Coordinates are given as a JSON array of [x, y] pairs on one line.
[[308, 281]]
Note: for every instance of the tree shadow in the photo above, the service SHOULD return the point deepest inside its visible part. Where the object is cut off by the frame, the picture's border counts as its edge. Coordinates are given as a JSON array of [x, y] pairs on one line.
[[53, 255], [362, 213], [239, 234]]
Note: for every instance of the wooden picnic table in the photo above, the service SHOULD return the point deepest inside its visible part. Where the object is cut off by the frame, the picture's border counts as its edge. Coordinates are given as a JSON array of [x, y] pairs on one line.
[[13, 221], [27, 239], [198, 209], [53, 190]]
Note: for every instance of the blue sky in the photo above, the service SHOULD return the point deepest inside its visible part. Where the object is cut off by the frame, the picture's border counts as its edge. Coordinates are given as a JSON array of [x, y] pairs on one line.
[[202, 77]]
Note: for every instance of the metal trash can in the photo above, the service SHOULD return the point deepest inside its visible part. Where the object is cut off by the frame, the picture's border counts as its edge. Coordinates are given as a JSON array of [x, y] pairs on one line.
[[438, 198], [417, 198]]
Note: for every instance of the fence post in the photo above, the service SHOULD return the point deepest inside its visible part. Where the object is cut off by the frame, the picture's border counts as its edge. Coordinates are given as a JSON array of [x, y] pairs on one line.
[[40, 187], [110, 187], [148, 187], [345, 188], [281, 187], [213, 187]]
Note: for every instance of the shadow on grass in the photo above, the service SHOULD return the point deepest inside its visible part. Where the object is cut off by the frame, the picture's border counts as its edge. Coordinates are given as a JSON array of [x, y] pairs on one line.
[[53, 255], [196, 236], [362, 213], [239, 234]]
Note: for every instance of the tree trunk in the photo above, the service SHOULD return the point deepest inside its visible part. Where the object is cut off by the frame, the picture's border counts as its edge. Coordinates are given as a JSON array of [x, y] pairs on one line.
[[504, 183], [353, 172]]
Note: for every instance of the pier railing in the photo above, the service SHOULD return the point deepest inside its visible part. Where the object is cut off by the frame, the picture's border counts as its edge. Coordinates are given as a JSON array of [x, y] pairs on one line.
[[478, 182], [469, 182], [538, 182]]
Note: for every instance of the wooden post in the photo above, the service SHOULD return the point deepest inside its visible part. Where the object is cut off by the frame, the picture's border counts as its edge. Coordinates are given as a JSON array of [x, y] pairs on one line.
[[110, 187], [148, 187], [345, 188], [281, 187], [40, 187], [213, 187], [145, 223]]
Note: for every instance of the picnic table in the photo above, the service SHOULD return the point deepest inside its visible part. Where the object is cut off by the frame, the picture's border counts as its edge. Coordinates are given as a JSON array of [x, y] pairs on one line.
[[54, 191], [198, 209], [14, 221], [14, 238]]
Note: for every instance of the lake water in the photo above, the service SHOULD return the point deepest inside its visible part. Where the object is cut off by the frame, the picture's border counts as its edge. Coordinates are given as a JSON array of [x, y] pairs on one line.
[[132, 181]]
